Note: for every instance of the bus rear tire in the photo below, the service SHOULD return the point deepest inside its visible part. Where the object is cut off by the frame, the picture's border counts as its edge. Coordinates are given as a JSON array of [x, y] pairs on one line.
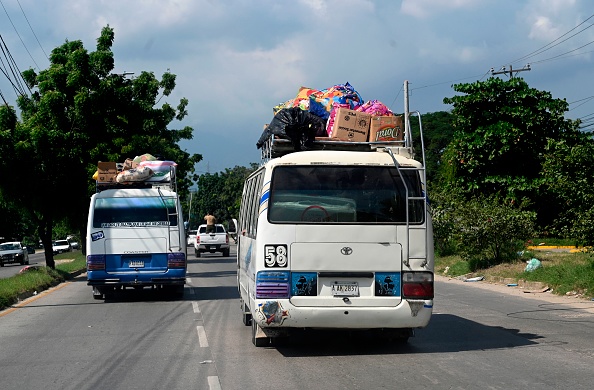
[[259, 341], [247, 316]]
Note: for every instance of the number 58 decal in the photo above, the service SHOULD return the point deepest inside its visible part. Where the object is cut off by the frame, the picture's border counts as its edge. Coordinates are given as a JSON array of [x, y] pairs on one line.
[[275, 256]]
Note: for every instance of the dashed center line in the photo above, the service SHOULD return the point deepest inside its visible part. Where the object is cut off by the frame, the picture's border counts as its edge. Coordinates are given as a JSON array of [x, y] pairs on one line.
[[202, 336], [213, 383]]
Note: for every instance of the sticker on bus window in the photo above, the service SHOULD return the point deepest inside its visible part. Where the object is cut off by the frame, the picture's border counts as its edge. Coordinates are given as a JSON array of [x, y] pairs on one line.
[[97, 235], [276, 256]]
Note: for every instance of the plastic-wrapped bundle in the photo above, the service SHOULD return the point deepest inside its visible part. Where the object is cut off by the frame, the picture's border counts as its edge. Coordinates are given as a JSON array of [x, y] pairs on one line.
[[375, 108], [301, 127], [320, 103]]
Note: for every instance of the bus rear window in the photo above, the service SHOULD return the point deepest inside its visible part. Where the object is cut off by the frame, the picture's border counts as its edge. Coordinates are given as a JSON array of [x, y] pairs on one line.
[[134, 212], [345, 194]]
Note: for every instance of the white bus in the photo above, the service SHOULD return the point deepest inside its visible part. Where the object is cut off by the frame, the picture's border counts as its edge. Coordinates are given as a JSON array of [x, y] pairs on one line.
[[336, 238], [135, 238]]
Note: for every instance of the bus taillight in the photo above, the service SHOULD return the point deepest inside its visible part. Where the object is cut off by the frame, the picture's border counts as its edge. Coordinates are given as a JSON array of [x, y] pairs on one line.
[[95, 262], [272, 284], [417, 285], [176, 260]]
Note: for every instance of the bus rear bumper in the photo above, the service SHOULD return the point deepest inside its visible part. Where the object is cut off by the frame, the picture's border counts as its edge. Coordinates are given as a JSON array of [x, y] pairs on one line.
[[282, 314]]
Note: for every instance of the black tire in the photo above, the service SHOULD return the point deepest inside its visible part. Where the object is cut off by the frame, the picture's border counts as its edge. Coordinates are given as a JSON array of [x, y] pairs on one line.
[[1, 264], [97, 293], [197, 253], [226, 252], [261, 341], [247, 316]]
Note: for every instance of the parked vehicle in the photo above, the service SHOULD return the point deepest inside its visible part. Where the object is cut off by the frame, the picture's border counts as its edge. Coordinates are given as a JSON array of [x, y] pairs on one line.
[[13, 252], [192, 238], [217, 241], [61, 246]]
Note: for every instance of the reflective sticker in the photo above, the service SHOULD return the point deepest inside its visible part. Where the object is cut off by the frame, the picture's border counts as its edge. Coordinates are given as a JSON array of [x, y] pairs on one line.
[[387, 284], [97, 235], [304, 284]]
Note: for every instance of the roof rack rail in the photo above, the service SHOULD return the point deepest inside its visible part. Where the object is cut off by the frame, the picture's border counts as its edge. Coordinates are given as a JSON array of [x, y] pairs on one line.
[[278, 147]]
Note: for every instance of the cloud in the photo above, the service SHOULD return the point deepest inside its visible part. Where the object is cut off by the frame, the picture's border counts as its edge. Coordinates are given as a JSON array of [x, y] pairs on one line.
[[425, 8]]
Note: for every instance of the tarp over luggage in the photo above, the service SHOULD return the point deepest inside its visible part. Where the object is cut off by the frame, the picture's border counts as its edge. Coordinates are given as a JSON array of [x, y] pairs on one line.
[[300, 126]]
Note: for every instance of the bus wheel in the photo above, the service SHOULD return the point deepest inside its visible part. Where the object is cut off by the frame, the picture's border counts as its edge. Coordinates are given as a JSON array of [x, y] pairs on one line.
[[247, 316], [258, 338], [97, 294]]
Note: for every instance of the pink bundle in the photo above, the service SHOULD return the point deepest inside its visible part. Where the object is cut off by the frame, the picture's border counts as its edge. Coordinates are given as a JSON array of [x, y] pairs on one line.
[[375, 108]]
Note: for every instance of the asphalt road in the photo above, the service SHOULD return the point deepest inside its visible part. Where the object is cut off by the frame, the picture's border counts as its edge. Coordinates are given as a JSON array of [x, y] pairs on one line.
[[478, 338]]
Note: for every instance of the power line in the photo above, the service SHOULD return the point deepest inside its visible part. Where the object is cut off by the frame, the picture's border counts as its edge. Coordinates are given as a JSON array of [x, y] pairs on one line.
[[544, 48], [35, 35], [17, 33]]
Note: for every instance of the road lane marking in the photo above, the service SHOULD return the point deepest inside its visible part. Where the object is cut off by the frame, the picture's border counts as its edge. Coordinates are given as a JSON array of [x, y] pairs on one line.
[[213, 383], [195, 307], [202, 336]]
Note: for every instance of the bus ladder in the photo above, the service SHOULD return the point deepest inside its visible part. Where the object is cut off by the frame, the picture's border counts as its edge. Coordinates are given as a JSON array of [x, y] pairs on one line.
[[172, 230], [409, 198]]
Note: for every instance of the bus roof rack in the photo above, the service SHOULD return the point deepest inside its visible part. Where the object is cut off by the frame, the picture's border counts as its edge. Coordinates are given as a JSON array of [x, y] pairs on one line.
[[277, 147]]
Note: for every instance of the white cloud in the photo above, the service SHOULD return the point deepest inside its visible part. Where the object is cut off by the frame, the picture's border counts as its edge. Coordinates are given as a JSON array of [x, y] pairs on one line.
[[425, 8]]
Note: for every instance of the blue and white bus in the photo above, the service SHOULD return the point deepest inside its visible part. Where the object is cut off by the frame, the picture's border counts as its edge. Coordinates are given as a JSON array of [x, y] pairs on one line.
[[135, 238]]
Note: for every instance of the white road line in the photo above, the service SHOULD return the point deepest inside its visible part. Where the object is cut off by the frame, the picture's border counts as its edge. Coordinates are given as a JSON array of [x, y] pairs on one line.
[[213, 383], [202, 337], [188, 280], [195, 307]]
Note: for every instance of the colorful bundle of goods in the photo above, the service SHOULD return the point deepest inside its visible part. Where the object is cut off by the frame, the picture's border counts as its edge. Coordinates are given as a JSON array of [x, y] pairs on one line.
[[143, 168], [299, 119]]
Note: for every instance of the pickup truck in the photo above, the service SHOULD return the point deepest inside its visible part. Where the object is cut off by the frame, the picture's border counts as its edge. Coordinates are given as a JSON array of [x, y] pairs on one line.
[[212, 242]]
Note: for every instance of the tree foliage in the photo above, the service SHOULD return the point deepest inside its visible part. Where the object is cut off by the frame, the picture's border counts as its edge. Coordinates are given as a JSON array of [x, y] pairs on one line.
[[568, 171], [486, 230], [81, 113], [219, 193], [501, 131]]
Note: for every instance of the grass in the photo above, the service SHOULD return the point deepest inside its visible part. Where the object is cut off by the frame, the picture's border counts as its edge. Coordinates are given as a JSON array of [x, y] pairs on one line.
[[564, 272], [40, 278]]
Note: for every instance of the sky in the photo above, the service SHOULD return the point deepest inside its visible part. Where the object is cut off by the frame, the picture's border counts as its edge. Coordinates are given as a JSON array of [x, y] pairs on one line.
[[237, 59]]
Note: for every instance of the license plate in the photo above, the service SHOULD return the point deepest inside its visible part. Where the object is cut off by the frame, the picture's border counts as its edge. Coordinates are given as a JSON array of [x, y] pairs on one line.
[[345, 289], [136, 264]]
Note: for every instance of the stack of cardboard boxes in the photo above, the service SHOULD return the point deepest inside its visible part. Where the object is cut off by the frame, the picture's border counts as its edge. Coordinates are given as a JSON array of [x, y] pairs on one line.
[[358, 126]]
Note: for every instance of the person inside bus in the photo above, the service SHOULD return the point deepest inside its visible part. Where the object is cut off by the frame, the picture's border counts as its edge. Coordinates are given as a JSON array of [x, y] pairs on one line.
[[210, 222]]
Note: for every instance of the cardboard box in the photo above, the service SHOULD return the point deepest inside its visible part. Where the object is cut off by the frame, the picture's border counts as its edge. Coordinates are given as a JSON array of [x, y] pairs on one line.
[[386, 128], [106, 172], [351, 125]]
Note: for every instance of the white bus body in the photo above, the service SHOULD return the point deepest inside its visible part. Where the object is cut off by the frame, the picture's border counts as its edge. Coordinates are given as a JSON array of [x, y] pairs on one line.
[[135, 238], [336, 239]]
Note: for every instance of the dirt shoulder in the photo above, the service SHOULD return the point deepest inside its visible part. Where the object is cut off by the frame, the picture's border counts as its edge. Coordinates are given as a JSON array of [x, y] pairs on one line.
[[530, 291]]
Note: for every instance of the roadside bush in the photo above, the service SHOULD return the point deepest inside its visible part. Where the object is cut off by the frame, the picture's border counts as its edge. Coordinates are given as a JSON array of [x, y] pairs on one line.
[[443, 210], [492, 231]]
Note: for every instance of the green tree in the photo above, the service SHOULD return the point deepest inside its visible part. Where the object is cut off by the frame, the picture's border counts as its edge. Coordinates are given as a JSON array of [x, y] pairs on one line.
[[81, 113], [220, 193], [568, 171], [501, 131], [437, 134]]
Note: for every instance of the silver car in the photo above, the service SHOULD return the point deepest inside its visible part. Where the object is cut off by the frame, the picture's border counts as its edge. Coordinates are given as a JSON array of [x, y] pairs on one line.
[[13, 252]]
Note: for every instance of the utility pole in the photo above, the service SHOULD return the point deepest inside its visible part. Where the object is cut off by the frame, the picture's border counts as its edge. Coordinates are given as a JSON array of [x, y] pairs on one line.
[[510, 71]]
